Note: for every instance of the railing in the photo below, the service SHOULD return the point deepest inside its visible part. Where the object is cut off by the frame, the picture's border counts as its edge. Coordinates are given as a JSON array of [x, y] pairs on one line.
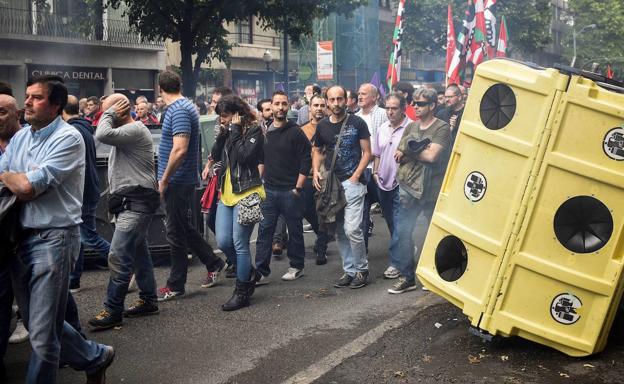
[[244, 38], [22, 22]]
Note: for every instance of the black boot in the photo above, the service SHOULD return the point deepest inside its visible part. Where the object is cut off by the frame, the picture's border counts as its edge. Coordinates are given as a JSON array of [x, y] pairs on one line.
[[240, 298]]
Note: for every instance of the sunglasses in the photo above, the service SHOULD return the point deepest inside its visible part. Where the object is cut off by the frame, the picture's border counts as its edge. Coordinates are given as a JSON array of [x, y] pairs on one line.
[[423, 103]]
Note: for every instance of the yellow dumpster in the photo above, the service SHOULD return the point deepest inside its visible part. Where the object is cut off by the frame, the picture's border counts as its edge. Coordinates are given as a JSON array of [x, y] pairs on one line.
[[527, 236]]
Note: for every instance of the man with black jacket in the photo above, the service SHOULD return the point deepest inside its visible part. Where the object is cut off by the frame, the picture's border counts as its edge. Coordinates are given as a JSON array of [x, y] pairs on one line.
[[90, 195], [287, 163]]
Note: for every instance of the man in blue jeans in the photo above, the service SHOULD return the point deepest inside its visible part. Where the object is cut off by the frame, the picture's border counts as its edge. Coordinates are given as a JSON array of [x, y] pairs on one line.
[[353, 156], [134, 199], [287, 163], [90, 196], [44, 168]]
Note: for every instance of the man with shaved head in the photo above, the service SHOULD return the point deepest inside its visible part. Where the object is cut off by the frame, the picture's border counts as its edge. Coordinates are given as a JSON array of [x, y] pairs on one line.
[[90, 195], [133, 200], [144, 114], [9, 124], [374, 116]]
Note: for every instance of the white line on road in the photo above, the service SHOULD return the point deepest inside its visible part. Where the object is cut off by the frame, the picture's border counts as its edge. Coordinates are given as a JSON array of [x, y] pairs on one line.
[[321, 367]]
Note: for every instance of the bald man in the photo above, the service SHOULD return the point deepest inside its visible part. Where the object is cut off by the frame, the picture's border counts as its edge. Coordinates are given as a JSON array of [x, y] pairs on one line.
[[134, 199], [9, 125], [9, 120], [374, 116]]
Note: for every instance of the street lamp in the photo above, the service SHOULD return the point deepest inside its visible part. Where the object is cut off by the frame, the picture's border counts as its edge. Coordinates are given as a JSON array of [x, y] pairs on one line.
[[574, 33], [267, 57]]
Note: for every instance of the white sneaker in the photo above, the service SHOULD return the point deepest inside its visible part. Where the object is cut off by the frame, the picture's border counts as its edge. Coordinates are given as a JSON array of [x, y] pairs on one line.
[[263, 280], [292, 274], [391, 273], [307, 228], [133, 284], [20, 334]]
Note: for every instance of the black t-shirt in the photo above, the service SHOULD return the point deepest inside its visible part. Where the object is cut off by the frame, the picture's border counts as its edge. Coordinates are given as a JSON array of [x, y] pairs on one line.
[[350, 151]]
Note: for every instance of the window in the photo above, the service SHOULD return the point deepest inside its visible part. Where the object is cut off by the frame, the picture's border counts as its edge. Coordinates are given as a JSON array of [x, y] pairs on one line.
[[245, 31]]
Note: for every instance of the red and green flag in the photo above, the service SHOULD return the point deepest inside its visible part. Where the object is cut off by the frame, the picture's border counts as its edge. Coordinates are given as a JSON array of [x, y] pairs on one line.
[[451, 77], [478, 42], [462, 44], [394, 66]]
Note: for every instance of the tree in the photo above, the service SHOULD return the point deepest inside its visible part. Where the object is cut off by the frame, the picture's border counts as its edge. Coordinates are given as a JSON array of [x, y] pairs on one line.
[[602, 44], [424, 23], [199, 25]]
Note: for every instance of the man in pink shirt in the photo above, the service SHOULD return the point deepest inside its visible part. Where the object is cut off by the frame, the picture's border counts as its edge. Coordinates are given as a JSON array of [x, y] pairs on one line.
[[385, 166]]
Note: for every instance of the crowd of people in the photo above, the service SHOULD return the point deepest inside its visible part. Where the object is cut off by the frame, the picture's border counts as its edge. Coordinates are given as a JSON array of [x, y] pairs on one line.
[[329, 164]]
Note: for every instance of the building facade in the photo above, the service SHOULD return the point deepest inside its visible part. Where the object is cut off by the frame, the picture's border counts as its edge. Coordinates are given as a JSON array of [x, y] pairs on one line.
[[96, 57]]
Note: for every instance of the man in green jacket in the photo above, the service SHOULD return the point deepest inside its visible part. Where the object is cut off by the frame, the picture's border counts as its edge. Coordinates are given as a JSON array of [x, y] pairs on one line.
[[420, 155]]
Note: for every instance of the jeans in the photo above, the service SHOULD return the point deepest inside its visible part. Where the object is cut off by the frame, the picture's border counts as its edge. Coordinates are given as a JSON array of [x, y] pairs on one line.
[[90, 237], [311, 216], [280, 235], [233, 239], [182, 236], [128, 255], [290, 205], [349, 234], [402, 246], [390, 206], [41, 283]]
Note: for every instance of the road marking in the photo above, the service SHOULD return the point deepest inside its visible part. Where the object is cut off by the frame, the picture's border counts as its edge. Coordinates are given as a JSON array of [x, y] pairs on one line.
[[321, 367]]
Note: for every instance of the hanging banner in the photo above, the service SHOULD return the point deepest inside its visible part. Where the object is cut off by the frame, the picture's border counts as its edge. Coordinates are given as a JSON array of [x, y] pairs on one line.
[[325, 60]]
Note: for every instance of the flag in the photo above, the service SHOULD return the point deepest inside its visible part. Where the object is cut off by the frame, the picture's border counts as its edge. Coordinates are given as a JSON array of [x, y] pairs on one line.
[[376, 81], [501, 47], [450, 46], [394, 66], [477, 43], [461, 47], [490, 27], [609, 72]]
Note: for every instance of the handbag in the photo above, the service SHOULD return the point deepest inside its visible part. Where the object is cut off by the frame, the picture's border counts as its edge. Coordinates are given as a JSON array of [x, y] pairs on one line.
[[330, 200], [249, 211]]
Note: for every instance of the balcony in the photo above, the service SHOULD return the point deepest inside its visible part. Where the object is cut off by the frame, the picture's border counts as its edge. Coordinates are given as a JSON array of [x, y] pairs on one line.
[[24, 24]]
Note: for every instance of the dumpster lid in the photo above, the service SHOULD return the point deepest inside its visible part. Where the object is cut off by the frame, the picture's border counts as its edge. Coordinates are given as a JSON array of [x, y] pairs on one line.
[[601, 80]]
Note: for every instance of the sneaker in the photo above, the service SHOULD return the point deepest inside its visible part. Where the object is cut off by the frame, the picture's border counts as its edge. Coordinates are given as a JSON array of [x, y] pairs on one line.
[[230, 271], [74, 288], [20, 334], [212, 278], [99, 376], [307, 228], [133, 286], [425, 288], [321, 258], [391, 273], [260, 279], [293, 274], [165, 294], [375, 208], [141, 308], [105, 320], [360, 280], [402, 286], [371, 225], [344, 281]]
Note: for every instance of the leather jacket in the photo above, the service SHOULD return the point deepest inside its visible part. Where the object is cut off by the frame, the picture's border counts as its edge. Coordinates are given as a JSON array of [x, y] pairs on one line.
[[241, 153]]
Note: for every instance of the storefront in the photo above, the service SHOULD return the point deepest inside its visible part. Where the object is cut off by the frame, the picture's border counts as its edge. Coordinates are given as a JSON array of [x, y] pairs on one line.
[[252, 86], [80, 81]]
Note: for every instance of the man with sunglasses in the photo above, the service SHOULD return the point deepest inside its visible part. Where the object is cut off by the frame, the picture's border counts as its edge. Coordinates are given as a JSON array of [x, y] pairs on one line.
[[421, 156]]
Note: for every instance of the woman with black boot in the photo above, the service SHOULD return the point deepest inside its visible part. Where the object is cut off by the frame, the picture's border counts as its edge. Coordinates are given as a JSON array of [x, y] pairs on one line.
[[239, 147]]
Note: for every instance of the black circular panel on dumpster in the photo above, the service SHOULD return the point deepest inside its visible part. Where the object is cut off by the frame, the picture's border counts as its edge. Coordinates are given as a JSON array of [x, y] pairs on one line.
[[451, 258], [583, 224], [498, 106]]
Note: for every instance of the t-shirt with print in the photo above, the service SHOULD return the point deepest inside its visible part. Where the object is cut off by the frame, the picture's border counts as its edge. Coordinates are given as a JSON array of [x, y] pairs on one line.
[[350, 151], [181, 117]]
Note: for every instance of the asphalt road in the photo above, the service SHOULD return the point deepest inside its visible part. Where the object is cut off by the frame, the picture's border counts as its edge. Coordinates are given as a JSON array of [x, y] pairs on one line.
[[306, 331], [290, 325]]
